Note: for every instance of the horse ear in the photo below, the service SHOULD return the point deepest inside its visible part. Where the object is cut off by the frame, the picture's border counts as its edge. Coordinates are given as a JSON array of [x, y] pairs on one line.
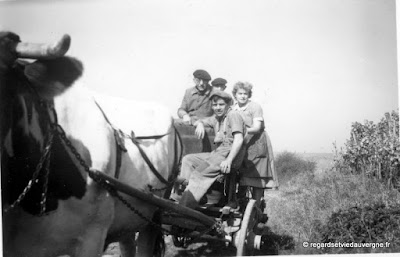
[[52, 77]]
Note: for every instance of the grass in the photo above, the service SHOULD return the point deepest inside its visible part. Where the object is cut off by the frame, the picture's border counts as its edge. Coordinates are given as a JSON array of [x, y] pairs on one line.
[[308, 196]]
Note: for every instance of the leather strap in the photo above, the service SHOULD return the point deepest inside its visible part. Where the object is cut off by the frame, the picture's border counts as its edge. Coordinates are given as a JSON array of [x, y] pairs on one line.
[[147, 160]]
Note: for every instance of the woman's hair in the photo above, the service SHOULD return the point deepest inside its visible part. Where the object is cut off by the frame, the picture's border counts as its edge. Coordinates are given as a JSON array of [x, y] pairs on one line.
[[242, 85]]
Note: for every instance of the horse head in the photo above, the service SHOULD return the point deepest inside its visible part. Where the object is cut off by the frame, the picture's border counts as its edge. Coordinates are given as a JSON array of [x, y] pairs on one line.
[[27, 90]]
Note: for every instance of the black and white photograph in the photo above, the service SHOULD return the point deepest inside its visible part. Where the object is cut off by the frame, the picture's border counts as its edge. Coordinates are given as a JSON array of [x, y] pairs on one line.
[[183, 128]]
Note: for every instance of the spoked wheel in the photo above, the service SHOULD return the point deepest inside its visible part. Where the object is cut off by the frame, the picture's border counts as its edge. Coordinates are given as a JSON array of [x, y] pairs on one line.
[[244, 239]]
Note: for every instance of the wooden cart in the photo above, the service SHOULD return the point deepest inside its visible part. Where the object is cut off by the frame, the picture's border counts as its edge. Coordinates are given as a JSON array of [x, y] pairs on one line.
[[239, 227]]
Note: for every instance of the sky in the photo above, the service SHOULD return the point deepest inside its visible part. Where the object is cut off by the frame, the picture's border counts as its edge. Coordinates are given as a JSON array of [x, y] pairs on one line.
[[316, 66]]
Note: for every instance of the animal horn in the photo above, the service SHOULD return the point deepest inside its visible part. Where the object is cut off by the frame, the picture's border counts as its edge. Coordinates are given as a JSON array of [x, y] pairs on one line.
[[44, 51]]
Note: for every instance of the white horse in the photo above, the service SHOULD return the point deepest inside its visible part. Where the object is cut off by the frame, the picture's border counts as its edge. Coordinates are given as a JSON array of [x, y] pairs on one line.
[[53, 136]]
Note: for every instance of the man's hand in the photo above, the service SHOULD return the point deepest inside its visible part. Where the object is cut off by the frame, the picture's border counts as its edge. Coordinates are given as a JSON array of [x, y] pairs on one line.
[[226, 166], [200, 131], [186, 118]]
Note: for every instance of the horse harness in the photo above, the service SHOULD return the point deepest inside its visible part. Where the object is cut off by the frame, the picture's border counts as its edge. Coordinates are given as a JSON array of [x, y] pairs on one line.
[[120, 146]]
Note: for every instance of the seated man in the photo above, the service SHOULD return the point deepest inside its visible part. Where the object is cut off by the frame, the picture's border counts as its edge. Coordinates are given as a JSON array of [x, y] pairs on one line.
[[196, 102], [200, 170], [219, 83]]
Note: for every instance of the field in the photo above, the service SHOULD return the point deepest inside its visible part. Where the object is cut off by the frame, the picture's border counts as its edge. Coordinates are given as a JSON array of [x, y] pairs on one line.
[[304, 209]]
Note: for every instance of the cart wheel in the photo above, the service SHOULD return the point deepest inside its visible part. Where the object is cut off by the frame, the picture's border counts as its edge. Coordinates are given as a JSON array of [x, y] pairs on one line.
[[250, 219]]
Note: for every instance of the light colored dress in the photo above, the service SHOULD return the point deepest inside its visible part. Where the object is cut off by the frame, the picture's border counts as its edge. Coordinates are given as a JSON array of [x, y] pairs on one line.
[[258, 167]]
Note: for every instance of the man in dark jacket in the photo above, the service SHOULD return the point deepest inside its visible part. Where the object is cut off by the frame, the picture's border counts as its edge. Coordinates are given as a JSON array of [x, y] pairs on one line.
[[196, 102]]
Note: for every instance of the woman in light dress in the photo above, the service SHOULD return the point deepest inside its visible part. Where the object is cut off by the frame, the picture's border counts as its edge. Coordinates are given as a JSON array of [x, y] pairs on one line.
[[258, 170]]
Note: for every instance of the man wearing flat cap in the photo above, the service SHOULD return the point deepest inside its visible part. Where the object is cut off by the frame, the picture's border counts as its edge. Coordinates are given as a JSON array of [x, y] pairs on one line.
[[196, 101], [200, 170], [219, 83]]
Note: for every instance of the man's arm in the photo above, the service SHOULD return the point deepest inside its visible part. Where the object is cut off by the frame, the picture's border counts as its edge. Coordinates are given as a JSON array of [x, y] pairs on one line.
[[201, 124], [183, 115], [208, 122], [236, 145]]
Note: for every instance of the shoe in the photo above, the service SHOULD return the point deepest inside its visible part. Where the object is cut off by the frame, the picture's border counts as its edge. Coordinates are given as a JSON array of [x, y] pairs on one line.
[[175, 197], [231, 206], [203, 200], [181, 181], [179, 186]]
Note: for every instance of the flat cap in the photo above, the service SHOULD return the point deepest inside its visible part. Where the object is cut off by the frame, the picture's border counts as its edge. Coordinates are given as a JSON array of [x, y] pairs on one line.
[[202, 74], [219, 82], [227, 97]]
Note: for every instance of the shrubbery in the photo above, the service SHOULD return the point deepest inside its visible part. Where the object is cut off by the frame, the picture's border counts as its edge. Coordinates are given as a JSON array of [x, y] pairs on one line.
[[290, 164], [370, 224]]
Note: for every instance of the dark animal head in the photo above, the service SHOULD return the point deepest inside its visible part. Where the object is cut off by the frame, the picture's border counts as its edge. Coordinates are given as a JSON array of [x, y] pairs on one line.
[[25, 123]]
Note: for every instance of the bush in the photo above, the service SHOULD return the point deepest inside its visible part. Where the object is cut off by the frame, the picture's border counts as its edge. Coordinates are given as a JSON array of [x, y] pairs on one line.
[[290, 164], [369, 224]]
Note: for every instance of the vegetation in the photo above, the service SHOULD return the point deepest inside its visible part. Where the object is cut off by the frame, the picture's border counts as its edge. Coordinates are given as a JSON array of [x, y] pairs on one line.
[[290, 164], [378, 224], [373, 150], [355, 200]]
